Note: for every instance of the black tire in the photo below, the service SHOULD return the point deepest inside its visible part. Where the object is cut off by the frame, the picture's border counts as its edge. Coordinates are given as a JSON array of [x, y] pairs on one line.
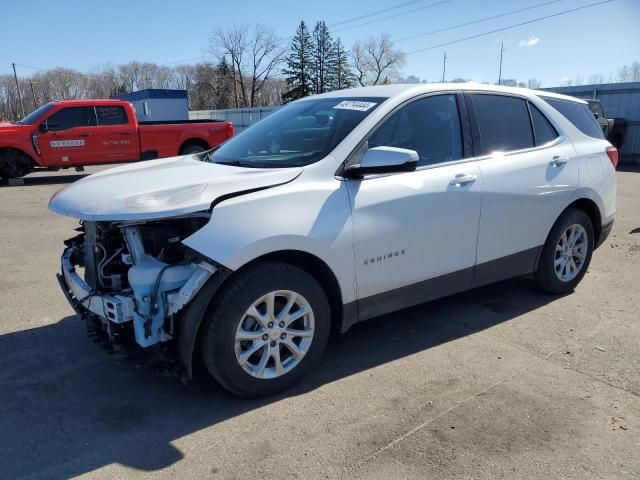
[[545, 274], [191, 149], [227, 310], [14, 164]]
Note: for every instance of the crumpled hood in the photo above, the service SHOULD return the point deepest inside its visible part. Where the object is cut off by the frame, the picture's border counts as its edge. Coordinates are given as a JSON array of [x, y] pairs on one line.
[[160, 189]]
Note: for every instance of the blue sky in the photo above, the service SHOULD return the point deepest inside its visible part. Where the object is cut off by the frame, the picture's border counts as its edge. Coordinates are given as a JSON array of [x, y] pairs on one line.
[[88, 34]]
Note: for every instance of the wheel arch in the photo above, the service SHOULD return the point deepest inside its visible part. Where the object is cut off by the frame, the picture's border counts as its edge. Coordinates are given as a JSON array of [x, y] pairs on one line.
[[190, 328], [29, 157], [589, 207], [193, 141]]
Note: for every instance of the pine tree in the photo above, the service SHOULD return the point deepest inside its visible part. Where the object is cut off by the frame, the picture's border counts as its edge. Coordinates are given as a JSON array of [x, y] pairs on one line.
[[299, 65], [341, 75], [225, 83], [322, 44]]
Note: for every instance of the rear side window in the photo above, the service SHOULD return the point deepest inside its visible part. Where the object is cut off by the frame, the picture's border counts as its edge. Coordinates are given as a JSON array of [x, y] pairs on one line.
[[543, 131], [71, 117], [111, 115], [503, 122], [578, 114]]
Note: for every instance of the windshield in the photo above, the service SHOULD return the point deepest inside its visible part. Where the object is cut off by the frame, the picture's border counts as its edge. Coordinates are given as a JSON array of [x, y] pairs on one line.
[[36, 114], [298, 134]]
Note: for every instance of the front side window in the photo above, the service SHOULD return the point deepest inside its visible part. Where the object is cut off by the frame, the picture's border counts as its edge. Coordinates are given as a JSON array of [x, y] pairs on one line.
[[578, 114], [111, 115], [503, 122], [71, 117], [542, 128], [298, 134], [430, 126]]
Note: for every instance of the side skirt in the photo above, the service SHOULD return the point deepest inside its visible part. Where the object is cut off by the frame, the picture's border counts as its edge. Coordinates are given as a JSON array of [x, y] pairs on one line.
[[517, 264]]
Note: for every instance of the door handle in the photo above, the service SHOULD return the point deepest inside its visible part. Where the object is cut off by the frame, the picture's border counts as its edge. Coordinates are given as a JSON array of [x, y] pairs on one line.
[[558, 161], [126, 133], [462, 179]]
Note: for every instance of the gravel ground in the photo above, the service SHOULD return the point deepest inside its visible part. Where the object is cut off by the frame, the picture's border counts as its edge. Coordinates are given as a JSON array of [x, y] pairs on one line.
[[500, 382]]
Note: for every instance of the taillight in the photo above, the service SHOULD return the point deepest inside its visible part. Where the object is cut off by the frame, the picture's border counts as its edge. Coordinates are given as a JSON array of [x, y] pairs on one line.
[[229, 130], [612, 153]]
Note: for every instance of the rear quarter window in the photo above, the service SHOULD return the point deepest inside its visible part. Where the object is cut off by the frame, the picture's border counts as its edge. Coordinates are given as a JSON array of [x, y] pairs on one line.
[[579, 115]]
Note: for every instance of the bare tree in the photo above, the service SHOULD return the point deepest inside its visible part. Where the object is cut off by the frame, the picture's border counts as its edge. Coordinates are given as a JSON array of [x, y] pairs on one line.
[[376, 61], [533, 84], [256, 55]]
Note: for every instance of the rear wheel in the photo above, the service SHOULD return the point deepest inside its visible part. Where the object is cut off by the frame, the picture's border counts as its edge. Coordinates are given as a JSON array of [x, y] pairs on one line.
[[566, 253], [191, 149], [265, 329]]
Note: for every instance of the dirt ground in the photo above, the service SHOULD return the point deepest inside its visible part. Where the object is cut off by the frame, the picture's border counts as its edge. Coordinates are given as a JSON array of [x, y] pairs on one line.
[[500, 382]]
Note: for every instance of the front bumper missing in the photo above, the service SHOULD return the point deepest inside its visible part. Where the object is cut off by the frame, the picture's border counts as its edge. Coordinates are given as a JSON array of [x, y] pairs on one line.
[[122, 307], [115, 308]]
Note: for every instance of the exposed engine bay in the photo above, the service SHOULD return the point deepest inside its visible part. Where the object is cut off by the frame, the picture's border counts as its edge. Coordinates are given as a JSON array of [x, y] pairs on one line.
[[136, 275]]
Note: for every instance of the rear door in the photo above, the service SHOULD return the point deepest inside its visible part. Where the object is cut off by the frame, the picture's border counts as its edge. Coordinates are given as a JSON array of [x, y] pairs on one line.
[[68, 137], [116, 136], [529, 172]]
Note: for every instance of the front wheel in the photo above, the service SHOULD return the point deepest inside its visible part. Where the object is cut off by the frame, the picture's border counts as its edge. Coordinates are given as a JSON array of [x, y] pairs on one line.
[[265, 329], [566, 253]]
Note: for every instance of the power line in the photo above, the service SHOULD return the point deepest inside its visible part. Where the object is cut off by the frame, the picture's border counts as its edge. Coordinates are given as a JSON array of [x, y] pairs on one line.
[[480, 20], [509, 27], [377, 12], [431, 5]]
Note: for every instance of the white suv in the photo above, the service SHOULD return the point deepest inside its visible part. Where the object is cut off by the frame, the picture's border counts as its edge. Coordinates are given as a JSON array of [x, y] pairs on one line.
[[335, 209]]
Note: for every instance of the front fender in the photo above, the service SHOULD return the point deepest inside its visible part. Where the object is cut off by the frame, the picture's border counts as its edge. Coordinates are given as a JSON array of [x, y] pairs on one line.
[[312, 217]]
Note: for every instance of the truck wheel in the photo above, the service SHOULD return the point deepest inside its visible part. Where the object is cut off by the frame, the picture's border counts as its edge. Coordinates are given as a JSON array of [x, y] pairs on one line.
[[191, 149], [267, 327], [566, 254], [14, 164]]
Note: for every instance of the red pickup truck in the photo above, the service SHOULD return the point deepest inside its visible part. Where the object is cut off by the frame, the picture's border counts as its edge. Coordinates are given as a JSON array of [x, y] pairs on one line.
[[75, 133]]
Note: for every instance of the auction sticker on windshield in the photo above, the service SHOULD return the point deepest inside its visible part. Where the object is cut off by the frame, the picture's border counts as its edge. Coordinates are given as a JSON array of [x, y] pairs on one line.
[[355, 105]]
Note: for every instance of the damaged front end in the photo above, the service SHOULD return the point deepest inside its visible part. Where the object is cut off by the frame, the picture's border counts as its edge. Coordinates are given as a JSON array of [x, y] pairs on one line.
[[135, 277]]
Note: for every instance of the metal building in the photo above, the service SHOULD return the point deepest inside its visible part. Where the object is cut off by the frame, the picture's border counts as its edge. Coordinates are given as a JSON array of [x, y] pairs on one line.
[[621, 100], [157, 104], [242, 118]]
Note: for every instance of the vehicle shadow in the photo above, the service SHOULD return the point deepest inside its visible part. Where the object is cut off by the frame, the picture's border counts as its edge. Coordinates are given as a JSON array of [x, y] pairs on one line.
[[69, 408], [46, 180]]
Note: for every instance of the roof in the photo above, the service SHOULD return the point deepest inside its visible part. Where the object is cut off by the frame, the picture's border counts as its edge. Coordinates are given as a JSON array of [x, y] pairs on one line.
[[152, 93], [88, 101], [419, 88]]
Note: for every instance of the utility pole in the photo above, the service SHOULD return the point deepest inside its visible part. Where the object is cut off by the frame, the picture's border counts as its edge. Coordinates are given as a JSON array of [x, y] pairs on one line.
[[444, 65], [33, 94], [18, 87], [500, 71]]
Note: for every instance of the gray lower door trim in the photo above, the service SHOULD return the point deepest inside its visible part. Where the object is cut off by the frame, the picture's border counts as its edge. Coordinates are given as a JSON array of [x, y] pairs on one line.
[[521, 263]]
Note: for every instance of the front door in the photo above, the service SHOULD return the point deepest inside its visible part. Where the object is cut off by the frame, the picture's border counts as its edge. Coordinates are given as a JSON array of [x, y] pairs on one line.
[[68, 139], [415, 233]]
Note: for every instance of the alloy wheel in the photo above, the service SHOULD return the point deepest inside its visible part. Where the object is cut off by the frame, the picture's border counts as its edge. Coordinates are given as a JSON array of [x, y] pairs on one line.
[[571, 252], [274, 334]]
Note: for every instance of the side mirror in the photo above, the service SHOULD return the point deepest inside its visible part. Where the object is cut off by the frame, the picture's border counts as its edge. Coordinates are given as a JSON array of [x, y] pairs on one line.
[[47, 127], [383, 160]]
